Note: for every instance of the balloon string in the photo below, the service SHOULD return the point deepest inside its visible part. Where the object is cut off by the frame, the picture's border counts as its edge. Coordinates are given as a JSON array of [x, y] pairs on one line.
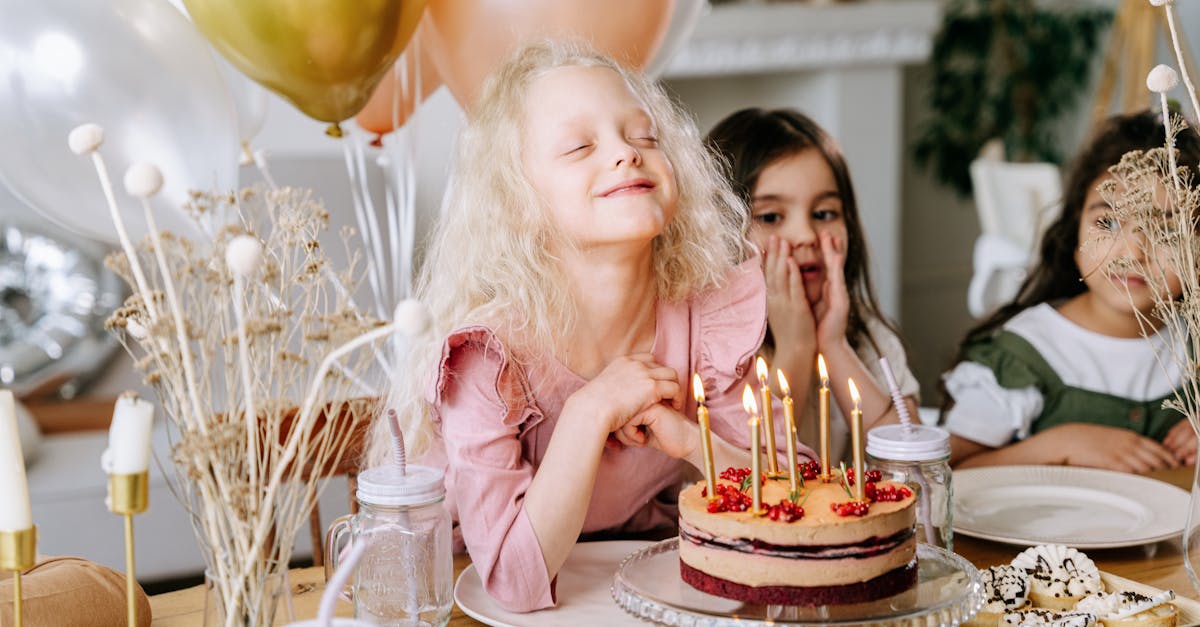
[[384, 302], [363, 232]]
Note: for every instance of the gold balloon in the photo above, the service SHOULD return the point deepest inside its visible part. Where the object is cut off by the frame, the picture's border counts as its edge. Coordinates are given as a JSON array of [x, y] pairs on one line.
[[325, 56]]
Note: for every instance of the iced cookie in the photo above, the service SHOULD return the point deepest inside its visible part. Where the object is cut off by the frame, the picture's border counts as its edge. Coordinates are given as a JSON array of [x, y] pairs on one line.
[[1048, 618], [1006, 589], [1059, 576], [1131, 609]]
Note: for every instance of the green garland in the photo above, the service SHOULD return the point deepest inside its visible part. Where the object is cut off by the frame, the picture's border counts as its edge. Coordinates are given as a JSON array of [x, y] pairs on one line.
[[1007, 69]]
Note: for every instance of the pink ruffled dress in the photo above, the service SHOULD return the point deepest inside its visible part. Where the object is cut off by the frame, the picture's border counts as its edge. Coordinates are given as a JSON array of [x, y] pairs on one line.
[[495, 421]]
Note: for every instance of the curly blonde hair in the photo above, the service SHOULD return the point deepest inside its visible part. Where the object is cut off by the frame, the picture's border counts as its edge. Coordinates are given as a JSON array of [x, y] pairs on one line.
[[490, 259]]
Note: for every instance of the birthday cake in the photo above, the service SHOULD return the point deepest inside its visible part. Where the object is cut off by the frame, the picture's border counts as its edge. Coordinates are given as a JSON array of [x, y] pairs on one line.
[[818, 546]]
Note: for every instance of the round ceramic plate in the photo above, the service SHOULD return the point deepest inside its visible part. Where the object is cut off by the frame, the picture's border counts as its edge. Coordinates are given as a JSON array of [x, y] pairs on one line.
[[584, 591], [1081, 507]]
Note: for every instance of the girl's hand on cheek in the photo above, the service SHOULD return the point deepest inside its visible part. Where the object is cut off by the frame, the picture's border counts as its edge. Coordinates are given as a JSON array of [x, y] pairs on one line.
[[626, 387], [788, 310], [834, 308]]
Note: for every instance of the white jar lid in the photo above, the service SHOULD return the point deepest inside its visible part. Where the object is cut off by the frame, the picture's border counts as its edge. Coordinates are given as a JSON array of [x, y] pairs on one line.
[[917, 443], [385, 485]]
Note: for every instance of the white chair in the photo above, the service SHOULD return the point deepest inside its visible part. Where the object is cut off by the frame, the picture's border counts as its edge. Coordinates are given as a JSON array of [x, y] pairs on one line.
[[1015, 202]]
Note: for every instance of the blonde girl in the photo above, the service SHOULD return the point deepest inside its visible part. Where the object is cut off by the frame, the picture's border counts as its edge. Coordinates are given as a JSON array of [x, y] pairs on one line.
[[589, 261]]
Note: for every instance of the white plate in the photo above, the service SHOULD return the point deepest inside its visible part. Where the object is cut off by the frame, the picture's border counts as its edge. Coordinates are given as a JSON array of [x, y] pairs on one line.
[[584, 591], [1081, 507]]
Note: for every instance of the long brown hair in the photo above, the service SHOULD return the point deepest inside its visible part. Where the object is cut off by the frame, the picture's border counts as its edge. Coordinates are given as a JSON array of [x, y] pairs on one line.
[[1056, 277], [752, 139]]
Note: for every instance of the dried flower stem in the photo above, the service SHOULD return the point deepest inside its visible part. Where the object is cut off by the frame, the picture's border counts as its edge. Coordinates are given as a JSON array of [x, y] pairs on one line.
[[123, 235], [1177, 45]]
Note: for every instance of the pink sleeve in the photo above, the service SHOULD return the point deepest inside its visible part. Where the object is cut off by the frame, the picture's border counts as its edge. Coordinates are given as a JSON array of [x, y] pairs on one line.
[[728, 326], [480, 404]]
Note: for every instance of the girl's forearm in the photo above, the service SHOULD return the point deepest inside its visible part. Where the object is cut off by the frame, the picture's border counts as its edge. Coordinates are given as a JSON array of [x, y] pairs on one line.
[[572, 460]]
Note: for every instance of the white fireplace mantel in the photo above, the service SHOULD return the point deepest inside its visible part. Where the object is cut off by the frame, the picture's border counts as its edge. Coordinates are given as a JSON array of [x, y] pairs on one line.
[[840, 63], [790, 37]]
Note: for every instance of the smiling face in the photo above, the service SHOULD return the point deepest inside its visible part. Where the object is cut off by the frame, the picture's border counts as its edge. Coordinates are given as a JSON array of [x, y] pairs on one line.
[[796, 198], [590, 150], [1104, 240]]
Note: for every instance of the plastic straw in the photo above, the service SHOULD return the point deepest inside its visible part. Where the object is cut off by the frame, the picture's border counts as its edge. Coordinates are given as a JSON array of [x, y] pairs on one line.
[[897, 396], [398, 455]]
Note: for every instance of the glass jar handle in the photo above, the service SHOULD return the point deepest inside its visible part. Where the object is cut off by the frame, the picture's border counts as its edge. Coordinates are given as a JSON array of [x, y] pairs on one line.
[[333, 538]]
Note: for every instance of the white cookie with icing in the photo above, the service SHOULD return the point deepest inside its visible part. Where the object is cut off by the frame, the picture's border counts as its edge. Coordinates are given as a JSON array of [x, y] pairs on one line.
[[1131, 608], [1059, 576], [1005, 589], [1048, 618]]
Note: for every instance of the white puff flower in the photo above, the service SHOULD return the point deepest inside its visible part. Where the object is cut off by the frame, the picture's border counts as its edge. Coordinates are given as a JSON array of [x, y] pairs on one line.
[[1159, 3], [1162, 79], [243, 255], [143, 180], [85, 138], [411, 317]]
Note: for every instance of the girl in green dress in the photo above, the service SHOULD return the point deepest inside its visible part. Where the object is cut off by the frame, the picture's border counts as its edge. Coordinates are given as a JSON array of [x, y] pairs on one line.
[[1063, 375]]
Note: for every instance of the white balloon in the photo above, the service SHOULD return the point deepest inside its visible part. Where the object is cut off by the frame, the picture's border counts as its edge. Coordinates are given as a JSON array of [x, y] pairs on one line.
[[684, 16], [138, 69]]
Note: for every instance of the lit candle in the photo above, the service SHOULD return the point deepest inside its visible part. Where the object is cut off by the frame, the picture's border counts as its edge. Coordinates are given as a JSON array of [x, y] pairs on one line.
[[755, 461], [823, 397], [14, 491], [856, 443], [789, 414], [768, 419], [710, 475], [129, 435]]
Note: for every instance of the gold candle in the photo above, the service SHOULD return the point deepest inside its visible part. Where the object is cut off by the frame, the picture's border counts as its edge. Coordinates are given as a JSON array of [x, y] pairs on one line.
[[768, 419], [710, 475], [856, 443], [823, 415], [789, 414], [755, 456]]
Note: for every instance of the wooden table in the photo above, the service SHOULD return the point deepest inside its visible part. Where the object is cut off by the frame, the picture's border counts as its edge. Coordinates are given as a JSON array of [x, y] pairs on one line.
[[1159, 565]]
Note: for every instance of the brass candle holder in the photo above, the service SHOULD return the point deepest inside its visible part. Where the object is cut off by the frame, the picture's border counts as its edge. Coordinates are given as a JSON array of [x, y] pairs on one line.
[[129, 495], [18, 552]]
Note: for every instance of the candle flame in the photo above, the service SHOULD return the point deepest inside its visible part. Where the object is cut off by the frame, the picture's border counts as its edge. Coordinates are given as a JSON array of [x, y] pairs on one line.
[[748, 402], [783, 383], [760, 366], [698, 387], [853, 391], [821, 369]]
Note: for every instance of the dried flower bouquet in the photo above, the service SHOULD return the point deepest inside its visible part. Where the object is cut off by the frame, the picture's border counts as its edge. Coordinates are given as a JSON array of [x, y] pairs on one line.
[[250, 342]]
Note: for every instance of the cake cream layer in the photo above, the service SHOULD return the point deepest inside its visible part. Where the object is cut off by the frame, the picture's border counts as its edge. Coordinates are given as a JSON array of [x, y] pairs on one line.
[[819, 527], [867, 548], [765, 570]]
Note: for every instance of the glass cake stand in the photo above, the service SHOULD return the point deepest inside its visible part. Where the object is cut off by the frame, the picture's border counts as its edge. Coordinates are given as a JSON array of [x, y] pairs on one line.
[[648, 585]]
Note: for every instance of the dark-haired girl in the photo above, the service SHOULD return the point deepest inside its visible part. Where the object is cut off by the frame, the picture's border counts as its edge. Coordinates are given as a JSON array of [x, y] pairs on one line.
[[1063, 374], [805, 220]]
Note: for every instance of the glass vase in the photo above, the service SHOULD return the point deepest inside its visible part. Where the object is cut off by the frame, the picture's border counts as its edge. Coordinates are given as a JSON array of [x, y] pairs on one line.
[[251, 602], [1191, 532]]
